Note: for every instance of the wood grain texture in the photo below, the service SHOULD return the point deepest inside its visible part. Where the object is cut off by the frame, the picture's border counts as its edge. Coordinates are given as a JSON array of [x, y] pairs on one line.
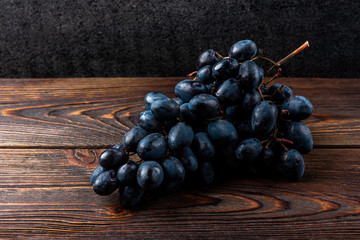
[[53, 130], [46, 192], [96, 112]]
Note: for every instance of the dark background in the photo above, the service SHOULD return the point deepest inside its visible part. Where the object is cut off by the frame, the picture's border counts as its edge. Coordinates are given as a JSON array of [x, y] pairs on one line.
[[109, 38]]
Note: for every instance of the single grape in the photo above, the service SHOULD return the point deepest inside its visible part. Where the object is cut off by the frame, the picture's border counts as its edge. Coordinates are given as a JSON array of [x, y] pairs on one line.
[[207, 57], [250, 75], [187, 116], [250, 100], [132, 138], [165, 109], [106, 183], [249, 150], [279, 93], [127, 173], [149, 122], [225, 69], [188, 160], [131, 196], [204, 105], [222, 132], [243, 50], [204, 75], [229, 92], [150, 175], [180, 136], [152, 147], [291, 165], [113, 158], [299, 134], [263, 118], [202, 146], [296, 108], [174, 173], [188, 88], [152, 97], [206, 172], [95, 173]]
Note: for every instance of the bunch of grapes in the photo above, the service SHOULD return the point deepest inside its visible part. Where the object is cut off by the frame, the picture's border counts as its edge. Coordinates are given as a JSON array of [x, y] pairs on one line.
[[225, 119]]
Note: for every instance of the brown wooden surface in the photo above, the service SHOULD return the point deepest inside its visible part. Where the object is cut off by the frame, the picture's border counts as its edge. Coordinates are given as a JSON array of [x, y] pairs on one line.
[[52, 131]]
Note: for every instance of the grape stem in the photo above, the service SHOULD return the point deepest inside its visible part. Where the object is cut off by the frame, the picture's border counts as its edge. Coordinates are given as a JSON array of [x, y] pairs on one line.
[[264, 58], [304, 46], [191, 74], [218, 54]]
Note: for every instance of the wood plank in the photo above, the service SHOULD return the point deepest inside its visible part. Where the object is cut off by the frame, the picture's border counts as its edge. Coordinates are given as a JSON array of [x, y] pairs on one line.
[[95, 112], [45, 192]]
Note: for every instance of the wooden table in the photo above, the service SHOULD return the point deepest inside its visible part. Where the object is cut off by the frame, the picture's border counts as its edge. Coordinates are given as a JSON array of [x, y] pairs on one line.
[[52, 131]]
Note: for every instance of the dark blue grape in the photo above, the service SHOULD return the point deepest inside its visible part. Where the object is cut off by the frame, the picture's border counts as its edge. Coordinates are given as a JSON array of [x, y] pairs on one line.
[[106, 183], [173, 169], [132, 138], [263, 118], [127, 173], [95, 173], [149, 122], [152, 97], [292, 165], [300, 135], [244, 130], [178, 101], [188, 88], [188, 160], [204, 105], [250, 100], [225, 69], [174, 173], [248, 150], [207, 57], [150, 175], [130, 196], [113, 158], [297, 108], [165, 109], [204, 75], [222, 132], [229, 92], [243, 50], [180, 136], [188, 116], [279, 93], [206, 172], [152, 147], [250, 75], [202, 146]]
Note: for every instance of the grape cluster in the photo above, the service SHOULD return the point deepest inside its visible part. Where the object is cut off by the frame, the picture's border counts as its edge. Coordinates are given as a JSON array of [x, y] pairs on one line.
[[224, 120]]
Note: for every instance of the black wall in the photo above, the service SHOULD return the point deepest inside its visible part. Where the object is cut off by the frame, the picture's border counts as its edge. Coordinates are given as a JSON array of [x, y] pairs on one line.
[[88, 38]]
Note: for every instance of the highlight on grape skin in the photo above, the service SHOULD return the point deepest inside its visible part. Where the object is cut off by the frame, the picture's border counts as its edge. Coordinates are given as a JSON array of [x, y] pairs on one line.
[[227, 116]]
